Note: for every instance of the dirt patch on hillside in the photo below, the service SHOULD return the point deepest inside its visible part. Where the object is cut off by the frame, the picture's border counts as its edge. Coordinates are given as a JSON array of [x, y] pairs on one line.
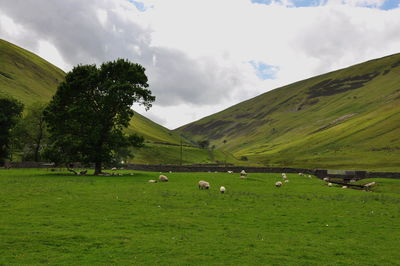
[[334, 86]]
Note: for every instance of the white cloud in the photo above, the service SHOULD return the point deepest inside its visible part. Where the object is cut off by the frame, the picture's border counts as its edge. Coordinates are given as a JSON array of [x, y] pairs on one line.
[[197, 53]]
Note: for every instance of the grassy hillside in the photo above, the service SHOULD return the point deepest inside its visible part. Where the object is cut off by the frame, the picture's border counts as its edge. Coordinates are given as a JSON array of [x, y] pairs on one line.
[[344, 119], [29, 78], [25, 76]]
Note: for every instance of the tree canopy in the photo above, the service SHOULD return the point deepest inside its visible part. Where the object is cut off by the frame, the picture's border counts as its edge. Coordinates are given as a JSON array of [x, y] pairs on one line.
[[10, 112], [90, 109]]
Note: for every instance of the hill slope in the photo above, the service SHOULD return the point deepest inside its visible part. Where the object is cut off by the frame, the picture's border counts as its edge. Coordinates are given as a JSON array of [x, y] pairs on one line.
[[348, 118], [25, 76], [29, 78]]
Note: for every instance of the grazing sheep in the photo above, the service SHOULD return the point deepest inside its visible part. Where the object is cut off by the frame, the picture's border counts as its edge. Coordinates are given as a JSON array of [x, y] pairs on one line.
[[344, 187], [163, 178], [326, 179], [309, 176], [222, 189], [243, 174], [352, 180], [278, 184], [204, 184], [152, 181], [230, 172], [330, 184], [301, 174], [286, 180], [114, 168]]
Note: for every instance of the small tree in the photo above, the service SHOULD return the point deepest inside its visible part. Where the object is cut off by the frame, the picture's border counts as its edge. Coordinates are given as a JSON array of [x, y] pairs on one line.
[[90, 109], [10, 112], [30, 134]]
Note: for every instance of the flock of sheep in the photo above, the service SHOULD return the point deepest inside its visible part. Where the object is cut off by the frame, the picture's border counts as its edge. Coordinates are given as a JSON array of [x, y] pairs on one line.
[[206, 185]]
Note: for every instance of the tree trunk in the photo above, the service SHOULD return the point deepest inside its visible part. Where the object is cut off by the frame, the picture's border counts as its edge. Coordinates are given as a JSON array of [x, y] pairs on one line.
[[97, 168]]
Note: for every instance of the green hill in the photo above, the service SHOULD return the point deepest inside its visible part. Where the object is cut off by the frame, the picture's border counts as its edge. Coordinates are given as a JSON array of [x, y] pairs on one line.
[[347, 119], [25, 76], [29, 78]]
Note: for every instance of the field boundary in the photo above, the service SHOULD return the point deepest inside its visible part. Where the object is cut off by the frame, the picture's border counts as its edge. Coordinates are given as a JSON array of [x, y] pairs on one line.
[[321, 173]]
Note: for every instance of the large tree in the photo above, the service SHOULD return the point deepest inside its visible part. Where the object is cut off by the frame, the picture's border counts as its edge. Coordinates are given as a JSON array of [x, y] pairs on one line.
[[10, 112], [90, 110]]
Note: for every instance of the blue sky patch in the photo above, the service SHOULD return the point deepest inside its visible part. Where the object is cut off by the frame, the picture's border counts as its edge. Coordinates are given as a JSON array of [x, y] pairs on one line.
[[139, 5], [387, 5], [263, 70]]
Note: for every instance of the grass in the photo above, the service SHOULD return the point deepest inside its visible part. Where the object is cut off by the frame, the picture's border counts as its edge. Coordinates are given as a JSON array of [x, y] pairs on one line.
[[170, 154], [57, 218], [356, 129], [25, 76]]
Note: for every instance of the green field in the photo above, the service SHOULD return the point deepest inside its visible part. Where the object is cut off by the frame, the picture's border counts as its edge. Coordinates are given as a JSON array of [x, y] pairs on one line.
[[59, 219]]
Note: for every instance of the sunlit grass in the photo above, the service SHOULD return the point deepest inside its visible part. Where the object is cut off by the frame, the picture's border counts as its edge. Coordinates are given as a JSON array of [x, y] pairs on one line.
[[57, 218]]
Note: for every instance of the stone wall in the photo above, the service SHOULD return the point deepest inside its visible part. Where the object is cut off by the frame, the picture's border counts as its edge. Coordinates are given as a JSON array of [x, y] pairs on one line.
[[321, 173]]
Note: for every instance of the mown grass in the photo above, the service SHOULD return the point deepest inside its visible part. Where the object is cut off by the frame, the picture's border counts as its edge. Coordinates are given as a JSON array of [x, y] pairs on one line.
[[56, 218]]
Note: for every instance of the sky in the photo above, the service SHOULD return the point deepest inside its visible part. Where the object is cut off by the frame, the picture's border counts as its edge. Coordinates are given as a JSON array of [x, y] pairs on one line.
[[202, 56]]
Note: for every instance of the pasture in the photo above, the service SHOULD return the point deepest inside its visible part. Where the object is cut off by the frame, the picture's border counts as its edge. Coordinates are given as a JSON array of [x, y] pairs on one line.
[[57, 218]]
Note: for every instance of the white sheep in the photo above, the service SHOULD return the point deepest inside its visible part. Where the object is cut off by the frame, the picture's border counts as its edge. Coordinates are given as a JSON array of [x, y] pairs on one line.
[[163, 178], [278, 184], [204, 184], [230, 172], [329, 184], [309, 176], [152, 181], [222, 189], [286, 180], [114, 168], [326, 179], [243, 174], [344, 187]]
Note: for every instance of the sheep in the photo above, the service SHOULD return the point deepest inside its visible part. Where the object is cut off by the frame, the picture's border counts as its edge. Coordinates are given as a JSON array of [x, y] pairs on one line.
[[204, 184], [163, 178], [309, 176], [326, 179], [286, 180], [344, 187], [278, 184], [114, 168], [222, 189], [243, 174], [301, 174], [230, 172], [329, 184], [152, 181]]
